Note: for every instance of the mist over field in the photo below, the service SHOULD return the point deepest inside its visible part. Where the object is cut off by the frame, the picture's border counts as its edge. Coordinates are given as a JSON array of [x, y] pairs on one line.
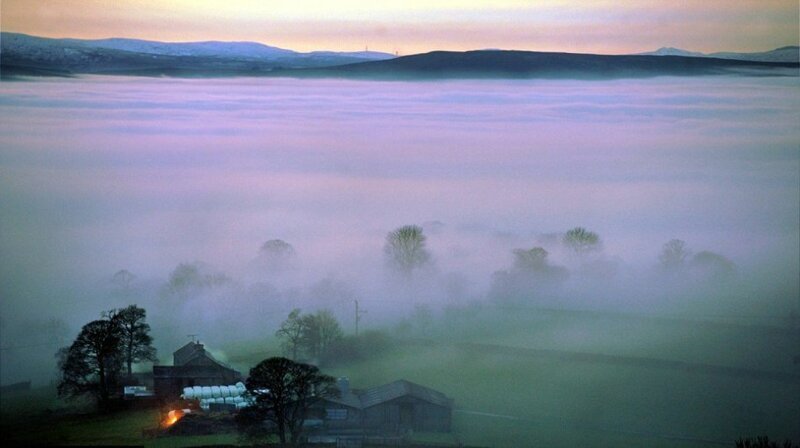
[[181, 182]]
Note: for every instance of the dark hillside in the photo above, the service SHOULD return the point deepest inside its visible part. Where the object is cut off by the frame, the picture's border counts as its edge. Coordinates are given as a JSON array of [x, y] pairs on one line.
[[528, 64]]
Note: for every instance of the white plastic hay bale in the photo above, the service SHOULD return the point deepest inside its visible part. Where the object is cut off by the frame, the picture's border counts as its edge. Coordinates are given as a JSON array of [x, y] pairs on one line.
[[206, 392], [215, 392], [224, 391], [188, 393]]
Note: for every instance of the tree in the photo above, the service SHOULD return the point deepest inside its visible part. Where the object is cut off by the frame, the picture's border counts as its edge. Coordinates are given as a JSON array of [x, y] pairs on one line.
[[136, 342], [530, 260], [405, 249], [311, 333], [275, 255], [284, 391], [291, 332], [123, 278], [188, 277], [581, 241], [530, 275], [184, 276], [319, 331], [674, 254], [714, 264], [91, 365], [277, 248], [357, 347]]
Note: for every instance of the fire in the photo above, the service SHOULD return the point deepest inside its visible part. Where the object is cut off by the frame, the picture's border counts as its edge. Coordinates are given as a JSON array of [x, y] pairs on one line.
[[172, 417]]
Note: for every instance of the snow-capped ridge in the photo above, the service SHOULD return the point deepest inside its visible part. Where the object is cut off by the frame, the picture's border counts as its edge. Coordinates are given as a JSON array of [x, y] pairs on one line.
[[783, 54]]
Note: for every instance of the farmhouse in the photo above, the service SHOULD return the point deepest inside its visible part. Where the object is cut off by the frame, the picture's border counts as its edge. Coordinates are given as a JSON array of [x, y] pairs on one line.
[[192, 366], [391, 408]]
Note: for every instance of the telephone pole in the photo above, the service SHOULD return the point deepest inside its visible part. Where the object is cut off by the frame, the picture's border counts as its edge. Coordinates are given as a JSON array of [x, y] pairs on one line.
[[359, 313]]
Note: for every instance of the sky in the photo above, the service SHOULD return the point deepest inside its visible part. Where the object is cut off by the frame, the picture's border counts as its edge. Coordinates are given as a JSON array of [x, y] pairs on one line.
[[414, 26]]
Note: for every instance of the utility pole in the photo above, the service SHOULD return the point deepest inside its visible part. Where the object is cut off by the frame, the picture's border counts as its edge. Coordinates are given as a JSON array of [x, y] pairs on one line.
[[358, 316]]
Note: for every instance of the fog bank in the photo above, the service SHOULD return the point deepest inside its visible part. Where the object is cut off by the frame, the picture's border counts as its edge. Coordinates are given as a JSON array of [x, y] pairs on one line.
[[102, 174]]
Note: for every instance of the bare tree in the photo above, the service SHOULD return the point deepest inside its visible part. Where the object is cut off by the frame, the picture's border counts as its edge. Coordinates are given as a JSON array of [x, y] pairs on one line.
[[291, 332], [673, 254], [123, 279], [405, 249], [320, 330]]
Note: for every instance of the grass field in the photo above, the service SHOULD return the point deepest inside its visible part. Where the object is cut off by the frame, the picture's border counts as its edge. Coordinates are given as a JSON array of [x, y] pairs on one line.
[[578, 404], [507, 400]]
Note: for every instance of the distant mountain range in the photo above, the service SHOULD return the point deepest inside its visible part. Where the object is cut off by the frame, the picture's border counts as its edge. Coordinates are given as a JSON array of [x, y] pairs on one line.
[[783, 54], [24, 55]]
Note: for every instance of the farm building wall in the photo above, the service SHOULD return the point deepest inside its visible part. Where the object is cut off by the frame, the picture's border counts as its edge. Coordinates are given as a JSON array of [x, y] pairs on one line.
[[169, 381], [336, 415], [408, 412]]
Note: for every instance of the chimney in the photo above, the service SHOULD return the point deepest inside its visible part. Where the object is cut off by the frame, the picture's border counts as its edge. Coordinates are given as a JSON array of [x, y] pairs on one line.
[[343, 383]]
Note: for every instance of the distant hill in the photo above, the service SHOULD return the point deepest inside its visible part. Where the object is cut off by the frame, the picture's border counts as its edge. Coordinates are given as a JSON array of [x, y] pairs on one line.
[[530, 64], [21, 54], [671, 51], [783, 54], [24, 54], [248, 50]]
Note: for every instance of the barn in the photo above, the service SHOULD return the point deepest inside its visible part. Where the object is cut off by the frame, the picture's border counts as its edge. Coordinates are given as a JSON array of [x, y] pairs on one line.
[[192, 366], [395, 407], [402, 405]]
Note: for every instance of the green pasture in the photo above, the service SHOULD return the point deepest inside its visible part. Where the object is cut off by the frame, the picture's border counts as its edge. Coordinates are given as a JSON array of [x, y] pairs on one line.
[[508, 400]]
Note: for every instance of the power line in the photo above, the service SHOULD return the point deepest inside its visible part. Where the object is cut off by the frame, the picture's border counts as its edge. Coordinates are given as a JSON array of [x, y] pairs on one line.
[[359, 313]]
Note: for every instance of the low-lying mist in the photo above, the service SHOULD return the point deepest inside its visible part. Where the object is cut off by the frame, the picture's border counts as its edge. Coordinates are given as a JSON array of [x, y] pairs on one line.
[[173, 195]]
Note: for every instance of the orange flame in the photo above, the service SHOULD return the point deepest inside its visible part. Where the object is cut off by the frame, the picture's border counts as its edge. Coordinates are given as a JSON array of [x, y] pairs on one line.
[[172, 417]]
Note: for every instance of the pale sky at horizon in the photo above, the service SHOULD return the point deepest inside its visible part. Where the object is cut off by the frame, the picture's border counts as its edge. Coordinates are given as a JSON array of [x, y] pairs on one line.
[[413, 26]]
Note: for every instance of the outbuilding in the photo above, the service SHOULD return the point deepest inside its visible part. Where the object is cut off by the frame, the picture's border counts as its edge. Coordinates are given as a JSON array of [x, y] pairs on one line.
[[391, 408]]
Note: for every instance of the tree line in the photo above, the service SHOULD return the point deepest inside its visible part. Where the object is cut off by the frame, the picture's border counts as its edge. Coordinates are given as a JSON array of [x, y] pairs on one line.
[[318, 337]]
